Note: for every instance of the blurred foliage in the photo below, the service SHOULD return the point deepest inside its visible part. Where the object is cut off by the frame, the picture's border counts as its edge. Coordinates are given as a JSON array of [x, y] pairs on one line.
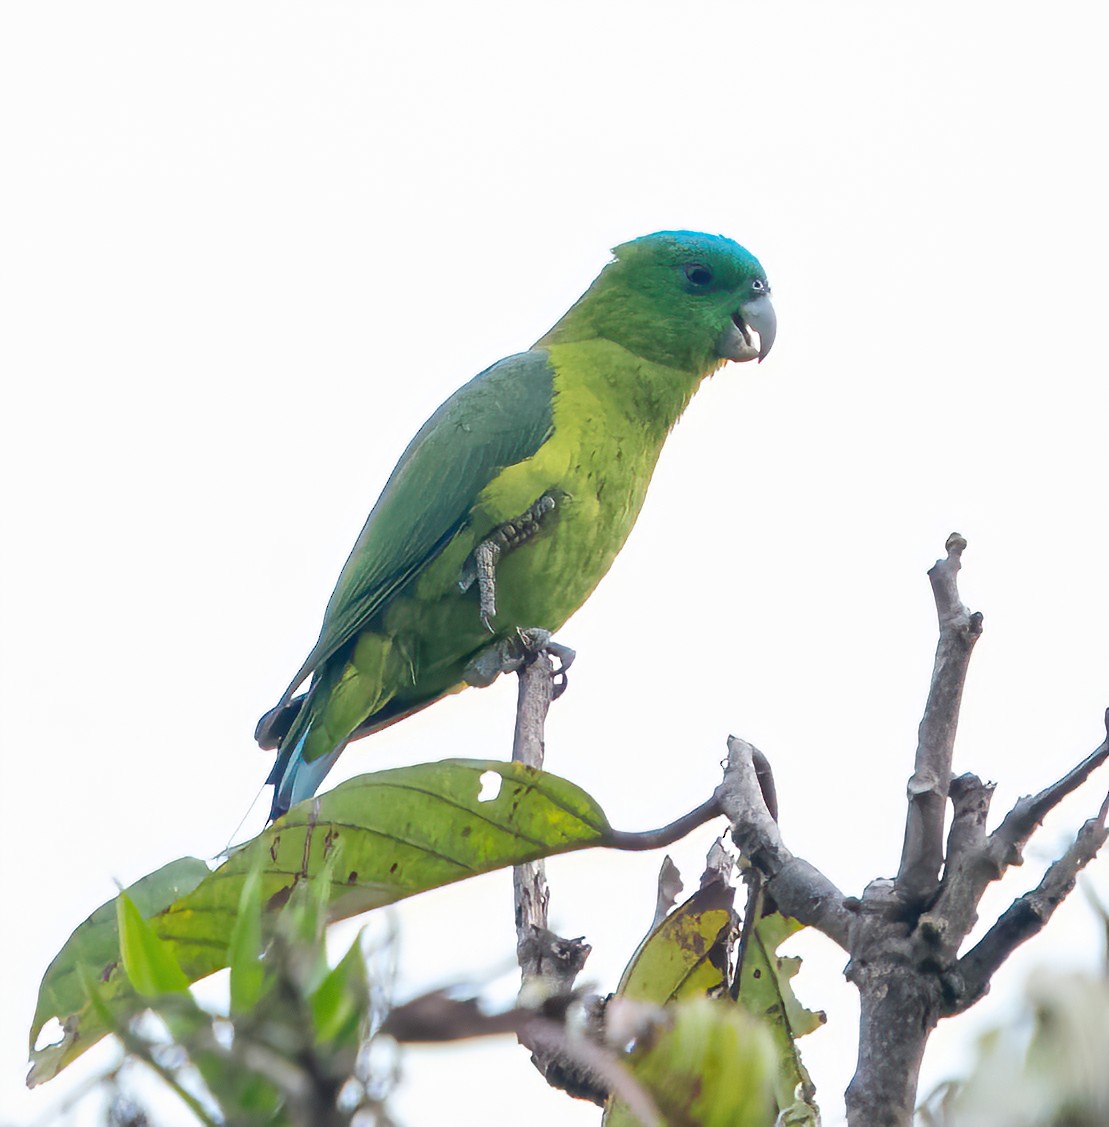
[[295, 1046], [1047, 1067], [711, 1065], [380, 837]]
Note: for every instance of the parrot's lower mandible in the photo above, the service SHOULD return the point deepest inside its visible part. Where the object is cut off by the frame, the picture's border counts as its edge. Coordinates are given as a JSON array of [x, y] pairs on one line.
[[512, 501]]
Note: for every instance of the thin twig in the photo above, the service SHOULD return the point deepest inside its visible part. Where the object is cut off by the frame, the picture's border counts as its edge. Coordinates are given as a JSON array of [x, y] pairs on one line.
[[143, 1052], [1029, 811], [1026, 916], [668, 834], [569, 1059], [436, 1017]]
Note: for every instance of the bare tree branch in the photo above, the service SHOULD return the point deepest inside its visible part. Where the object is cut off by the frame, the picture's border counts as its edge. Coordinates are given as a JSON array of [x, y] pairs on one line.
[[903, 935], [968, 869], [550, 964], [596, 1067], [1021, 822], [529, 881], [800, 890], [1026, 916], [898, 1009], [904, 960], [922, 853], [974, 860], [970, 800], [436, 1017]]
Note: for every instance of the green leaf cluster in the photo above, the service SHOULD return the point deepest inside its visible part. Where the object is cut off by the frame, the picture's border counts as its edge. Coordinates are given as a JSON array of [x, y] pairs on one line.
[[287, 1053], [371, 841]]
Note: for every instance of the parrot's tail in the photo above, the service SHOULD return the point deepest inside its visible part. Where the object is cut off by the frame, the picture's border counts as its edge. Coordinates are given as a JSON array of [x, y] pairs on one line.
[[295, 778]]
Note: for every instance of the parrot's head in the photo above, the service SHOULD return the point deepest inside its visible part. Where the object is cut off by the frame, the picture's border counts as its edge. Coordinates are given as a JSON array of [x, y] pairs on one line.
[[682, 297]]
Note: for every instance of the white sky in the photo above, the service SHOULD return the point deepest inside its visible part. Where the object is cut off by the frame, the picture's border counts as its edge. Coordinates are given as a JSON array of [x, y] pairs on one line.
[[248, 247]]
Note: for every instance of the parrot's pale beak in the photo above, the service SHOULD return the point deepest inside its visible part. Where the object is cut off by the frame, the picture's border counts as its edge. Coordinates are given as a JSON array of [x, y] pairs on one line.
[[735, 341], [760, 316]]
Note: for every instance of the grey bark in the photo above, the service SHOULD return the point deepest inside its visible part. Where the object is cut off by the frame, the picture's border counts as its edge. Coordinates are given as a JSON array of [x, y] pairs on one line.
[[904, 935]]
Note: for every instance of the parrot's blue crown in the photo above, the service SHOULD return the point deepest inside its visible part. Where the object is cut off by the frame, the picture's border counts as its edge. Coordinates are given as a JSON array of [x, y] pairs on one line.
[[692, 245]]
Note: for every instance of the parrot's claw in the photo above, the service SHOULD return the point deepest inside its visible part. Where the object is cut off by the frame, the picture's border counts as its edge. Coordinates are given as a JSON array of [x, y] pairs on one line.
[[565, 658], [505, 656], [514, 652], [481, 564]]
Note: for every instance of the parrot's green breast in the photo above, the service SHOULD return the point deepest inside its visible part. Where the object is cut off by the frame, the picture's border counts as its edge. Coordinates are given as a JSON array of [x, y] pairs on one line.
[[612, 411]]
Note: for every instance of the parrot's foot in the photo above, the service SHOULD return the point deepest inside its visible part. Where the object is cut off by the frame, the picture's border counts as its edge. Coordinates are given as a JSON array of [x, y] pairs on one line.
[[481, 564], [514, 652], [565, 657]]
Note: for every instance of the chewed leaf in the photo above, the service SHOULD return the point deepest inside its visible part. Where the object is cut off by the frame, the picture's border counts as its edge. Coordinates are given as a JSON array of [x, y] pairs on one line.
[[766, 991], [686, 954], [393, 834], [95, 943]]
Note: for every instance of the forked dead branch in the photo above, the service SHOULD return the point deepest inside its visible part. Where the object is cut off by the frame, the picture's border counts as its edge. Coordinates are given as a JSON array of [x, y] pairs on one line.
[[903, 935]]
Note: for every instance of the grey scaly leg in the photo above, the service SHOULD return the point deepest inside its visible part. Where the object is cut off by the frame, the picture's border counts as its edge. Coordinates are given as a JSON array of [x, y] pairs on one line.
[[481, 563]]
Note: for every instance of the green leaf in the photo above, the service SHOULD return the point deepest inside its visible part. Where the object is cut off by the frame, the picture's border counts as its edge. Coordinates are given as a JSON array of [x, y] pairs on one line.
[[340, 1005], [95, 943], [401, 832], [244, 952], [147, 960], [686, 954], [766, 991], [712, 1067]]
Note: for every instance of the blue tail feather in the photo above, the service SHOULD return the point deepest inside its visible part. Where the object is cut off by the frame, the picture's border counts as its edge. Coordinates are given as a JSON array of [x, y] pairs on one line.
[[294, 778]]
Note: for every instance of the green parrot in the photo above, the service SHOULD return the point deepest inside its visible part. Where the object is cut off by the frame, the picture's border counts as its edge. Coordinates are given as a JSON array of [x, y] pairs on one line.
[[511, 502]]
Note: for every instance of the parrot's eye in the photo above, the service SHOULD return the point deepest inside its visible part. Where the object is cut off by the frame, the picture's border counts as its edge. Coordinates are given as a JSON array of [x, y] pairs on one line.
[[759, 286], [698, 275]]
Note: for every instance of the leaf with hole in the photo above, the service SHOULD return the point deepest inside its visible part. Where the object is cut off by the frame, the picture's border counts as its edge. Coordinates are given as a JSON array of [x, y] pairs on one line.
[[391, 834]]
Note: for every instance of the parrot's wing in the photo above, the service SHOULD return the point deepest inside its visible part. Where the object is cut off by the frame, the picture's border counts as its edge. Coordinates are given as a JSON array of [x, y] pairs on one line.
[[499, 418]]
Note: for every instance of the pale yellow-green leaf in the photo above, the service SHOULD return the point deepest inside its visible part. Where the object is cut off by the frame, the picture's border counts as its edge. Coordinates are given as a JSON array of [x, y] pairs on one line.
[[766, 990], [685, 955]]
